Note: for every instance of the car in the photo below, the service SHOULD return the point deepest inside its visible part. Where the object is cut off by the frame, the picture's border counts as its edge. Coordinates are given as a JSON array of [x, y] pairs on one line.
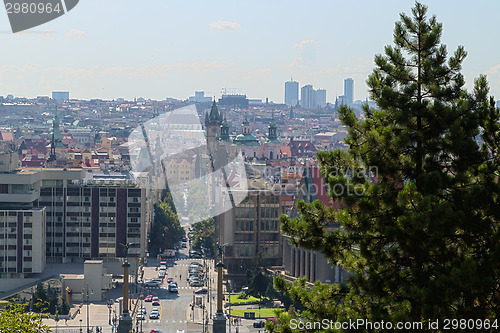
[[173, 288], [142, 310], [155, 314], [152, 284], [148, 298], [195, 283], [140, 316], [259, 323], [201, 291], [155, 331], [170, 280], [161, 274], [156, 301]]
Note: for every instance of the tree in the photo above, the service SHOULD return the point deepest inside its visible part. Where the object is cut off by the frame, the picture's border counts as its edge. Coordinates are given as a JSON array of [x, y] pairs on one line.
[[204, 235], [418, 191], [166, 229], [14, 319]]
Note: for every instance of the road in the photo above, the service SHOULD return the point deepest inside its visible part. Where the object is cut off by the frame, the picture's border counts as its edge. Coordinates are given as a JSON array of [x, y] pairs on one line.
[[175, 309]]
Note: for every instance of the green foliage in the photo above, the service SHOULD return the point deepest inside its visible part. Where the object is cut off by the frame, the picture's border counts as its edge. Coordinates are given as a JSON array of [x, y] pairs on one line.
[[419, 235], [166, 229], [14, 319], [196, 195], [47, 300], [204, 235], [257, 280]]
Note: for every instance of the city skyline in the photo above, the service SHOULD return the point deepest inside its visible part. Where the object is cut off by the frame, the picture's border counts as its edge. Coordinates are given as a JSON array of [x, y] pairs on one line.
[[173, 49]]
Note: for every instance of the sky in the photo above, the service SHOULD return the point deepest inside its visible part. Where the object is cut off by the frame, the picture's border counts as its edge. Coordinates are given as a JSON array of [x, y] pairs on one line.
[[170, 48]]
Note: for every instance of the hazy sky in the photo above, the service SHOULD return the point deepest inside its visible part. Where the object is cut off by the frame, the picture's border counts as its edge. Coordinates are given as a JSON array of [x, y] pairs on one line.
[[165, 48]]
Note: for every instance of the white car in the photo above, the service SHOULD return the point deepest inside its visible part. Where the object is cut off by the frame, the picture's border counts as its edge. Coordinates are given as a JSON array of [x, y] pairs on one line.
[[155, 314], [140, 316]]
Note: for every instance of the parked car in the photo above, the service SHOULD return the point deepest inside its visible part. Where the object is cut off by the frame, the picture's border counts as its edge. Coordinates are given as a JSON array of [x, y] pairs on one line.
[[259, 323], [170, 279], [201, 291], [156, 301], [195, 283], [148, 298], [155, 314]]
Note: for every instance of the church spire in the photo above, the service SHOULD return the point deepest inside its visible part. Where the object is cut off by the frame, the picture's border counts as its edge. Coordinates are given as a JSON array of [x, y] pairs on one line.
[[224, 130]]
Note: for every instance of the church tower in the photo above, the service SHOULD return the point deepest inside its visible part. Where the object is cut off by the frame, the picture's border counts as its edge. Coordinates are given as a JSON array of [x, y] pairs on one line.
[[213, 121], [224, 130]]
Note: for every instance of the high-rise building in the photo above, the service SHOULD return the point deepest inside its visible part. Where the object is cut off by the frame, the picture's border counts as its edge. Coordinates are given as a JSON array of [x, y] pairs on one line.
[[307, 95], [60, 95], [320, 98], [291, 92], [348, 91]]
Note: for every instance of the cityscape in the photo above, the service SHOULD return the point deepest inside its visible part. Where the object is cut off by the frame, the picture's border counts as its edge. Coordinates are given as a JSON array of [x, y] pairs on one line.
[[362, 201]]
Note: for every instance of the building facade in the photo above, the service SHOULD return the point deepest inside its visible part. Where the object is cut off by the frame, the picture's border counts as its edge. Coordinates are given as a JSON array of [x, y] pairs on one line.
[[348, 91], [291, 92], [251, 229]]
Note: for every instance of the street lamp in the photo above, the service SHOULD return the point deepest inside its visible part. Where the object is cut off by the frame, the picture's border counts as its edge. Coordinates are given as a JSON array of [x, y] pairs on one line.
[[109, 311], [88, 311]]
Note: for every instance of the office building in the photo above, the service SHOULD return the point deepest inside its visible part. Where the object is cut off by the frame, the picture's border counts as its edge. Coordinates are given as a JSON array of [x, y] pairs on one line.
[[320, 98], [307, 97], [250, 229], [60, 95], [75, 215], [348, 97], [291, 92]]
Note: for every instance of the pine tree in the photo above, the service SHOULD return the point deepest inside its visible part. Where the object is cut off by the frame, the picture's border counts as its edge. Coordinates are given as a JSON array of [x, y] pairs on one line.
[[420, 201]]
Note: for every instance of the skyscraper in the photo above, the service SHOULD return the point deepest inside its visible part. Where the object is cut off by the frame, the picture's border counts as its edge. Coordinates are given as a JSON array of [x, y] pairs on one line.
[[320, 98], [291, 92], [349, 91], [307, 95]]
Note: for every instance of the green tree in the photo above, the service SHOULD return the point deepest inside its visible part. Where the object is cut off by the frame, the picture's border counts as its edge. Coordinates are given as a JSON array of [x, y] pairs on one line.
[[14, 319], [419, 195], [204, 236], [166, 229]]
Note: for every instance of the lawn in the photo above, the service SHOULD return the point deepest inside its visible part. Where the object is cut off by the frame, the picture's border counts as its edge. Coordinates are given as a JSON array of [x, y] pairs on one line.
[[264, 312], [234, 299]]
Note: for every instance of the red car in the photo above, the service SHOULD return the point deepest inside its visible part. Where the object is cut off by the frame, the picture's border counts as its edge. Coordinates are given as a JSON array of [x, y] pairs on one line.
[[148, 298], [156, 301], [170, 279]]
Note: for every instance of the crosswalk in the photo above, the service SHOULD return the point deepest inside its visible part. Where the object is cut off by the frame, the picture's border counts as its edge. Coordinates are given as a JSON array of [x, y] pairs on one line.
[[191, 288], [168, 321]]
